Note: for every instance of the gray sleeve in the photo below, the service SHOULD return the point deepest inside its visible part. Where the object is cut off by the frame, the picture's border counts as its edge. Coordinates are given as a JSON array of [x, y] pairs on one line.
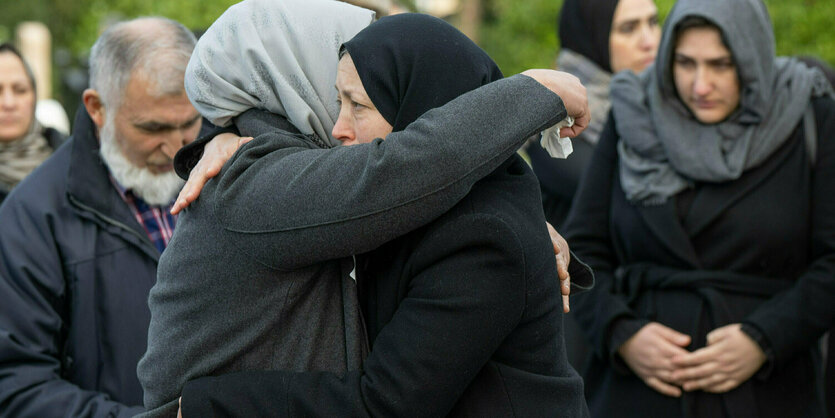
[[293, 207]]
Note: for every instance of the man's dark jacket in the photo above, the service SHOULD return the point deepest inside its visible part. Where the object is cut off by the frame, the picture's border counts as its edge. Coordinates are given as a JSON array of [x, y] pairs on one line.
[[75, 271]]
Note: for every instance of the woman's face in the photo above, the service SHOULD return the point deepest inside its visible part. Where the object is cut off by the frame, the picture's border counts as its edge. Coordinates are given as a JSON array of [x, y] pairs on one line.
[[17, 98], [705, 75], [359, 120], [635, 35]]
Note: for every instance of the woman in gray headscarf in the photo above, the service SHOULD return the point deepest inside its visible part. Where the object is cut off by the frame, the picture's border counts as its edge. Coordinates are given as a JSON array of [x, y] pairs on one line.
[[24, 143], [708, 216], [258, 275]]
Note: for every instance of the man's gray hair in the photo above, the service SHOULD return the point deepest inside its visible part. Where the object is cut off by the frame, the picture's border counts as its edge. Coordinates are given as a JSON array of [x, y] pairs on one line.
[[155, 47]]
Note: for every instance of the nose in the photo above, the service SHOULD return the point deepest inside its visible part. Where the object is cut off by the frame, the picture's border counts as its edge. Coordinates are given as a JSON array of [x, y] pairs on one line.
[[7, 99], [647, 41], [701, 83], [343, 131], [174, 140]]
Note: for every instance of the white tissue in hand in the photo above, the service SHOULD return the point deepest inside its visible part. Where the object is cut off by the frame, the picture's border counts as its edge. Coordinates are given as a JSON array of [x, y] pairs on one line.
[[557, 147]]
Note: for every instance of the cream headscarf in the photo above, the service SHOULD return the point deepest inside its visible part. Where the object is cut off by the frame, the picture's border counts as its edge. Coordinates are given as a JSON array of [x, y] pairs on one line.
[[19, 157], [270, 54]]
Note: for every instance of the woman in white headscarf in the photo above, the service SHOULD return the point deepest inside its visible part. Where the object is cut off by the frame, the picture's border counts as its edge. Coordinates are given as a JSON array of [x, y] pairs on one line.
[[708, 215], [258, 274]]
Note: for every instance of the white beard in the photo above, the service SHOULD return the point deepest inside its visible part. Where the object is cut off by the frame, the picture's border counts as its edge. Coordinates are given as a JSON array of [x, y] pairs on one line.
[[154, 189]]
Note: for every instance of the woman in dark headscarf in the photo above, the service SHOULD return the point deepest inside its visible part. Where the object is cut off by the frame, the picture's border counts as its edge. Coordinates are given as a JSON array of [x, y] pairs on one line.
[[464, 314], [597, 39], [24, 143], [708, 214]]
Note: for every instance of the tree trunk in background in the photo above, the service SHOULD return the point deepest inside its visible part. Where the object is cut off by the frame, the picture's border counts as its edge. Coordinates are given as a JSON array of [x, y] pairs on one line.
[[471, 14], [35, 45]]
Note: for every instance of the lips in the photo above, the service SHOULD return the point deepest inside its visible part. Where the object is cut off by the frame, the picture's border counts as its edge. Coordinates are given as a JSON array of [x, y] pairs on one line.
[[705, 104]]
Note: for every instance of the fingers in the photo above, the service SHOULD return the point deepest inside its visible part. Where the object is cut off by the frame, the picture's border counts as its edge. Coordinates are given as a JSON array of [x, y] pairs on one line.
[[580, 124], [711, 383], [720, 333], [698, 357], [663, 387], [565, 307], [695, 373], [675, 337]]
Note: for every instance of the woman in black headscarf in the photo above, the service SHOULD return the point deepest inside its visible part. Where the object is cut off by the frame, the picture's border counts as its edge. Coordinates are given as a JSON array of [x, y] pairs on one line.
[[598, 38], [464, 315], [708, 215]]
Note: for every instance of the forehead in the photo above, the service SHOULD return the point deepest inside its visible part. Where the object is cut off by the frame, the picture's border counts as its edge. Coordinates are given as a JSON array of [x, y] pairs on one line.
[[347, 77], [11, 68], [701, 42], [627, 10], [141, 104]]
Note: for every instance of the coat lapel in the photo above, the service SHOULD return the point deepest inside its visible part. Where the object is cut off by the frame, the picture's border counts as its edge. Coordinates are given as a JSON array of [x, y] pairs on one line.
[[663, 222], [714, 199]]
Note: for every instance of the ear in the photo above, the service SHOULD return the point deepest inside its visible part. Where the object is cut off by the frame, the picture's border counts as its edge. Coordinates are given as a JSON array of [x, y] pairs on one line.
[[95, 107]]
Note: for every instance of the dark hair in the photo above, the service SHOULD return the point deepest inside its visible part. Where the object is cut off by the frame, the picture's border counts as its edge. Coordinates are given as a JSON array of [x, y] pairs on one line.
[[8, 47], [693, 22]]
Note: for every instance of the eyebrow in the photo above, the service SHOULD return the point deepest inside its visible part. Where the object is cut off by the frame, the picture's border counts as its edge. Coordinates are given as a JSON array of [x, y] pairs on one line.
[[712, 61], [159, 126]]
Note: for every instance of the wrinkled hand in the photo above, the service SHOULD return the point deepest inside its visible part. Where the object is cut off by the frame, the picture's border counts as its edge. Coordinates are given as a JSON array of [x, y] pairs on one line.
[[216, 153], [563, 255], [730, 358], [572, 93], [650, 352]]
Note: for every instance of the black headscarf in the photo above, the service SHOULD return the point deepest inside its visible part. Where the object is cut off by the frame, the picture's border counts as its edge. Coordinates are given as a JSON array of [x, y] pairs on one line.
[[584, 27], [411, 63]]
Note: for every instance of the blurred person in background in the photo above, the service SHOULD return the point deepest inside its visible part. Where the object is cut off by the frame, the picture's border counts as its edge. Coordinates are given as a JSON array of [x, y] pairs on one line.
[[597, 38], [708, 215], [81, 236], [24, 142]]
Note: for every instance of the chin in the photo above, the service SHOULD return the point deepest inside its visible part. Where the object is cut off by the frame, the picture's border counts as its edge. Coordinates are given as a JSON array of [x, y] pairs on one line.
[[154, 189]]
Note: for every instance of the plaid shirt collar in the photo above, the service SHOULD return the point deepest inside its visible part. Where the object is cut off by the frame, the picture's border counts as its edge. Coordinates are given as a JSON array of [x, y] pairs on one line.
[[156, 220]]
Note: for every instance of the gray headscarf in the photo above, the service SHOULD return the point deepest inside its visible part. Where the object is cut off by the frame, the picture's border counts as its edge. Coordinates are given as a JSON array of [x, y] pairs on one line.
[[19, 157], [664, 149], [268, 54], [596, 80]]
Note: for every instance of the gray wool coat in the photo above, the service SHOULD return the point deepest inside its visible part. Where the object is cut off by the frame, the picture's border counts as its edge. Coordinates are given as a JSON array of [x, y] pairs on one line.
[[256, 276]]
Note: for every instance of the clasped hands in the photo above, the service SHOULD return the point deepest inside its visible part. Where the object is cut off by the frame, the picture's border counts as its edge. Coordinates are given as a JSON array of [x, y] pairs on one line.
[[657, 354]]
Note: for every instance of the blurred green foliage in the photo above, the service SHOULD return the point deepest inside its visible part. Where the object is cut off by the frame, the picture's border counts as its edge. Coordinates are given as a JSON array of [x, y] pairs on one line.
[[521, 34], [76, 24], [518, 34]]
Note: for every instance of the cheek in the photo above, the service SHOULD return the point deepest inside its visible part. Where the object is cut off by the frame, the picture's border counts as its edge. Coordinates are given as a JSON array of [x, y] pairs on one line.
[[683, 81], [620, 51]]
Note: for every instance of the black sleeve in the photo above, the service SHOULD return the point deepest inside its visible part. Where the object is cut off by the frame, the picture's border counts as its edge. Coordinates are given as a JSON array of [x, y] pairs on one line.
[[33, 302], [467, 293], [324, 204], [794, 320], [587, 232]]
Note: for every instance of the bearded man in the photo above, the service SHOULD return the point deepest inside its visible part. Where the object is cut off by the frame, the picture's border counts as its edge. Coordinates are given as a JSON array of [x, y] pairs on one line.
[[81, 236]]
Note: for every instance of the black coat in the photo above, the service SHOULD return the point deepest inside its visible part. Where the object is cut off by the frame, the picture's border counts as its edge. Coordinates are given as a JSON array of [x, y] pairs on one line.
[[465, 318], [759, 251], [75, 271]]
